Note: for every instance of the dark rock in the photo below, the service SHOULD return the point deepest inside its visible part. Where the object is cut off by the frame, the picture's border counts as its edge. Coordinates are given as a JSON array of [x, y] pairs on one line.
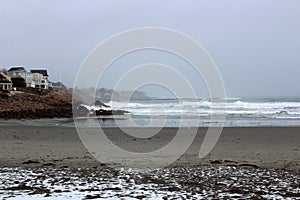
[[21, 186], [112, 189], [216, 162], [48, 164], [99, 103], [110, 112], [31, 162], [95, 196], [81, 111], [248, 165], [229, 161]]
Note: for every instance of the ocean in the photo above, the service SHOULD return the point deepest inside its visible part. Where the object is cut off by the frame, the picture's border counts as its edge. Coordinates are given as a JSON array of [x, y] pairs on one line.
[[238, 112]]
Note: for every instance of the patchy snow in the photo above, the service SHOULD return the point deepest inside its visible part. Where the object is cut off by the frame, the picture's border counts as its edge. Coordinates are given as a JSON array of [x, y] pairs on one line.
[[222, 182]]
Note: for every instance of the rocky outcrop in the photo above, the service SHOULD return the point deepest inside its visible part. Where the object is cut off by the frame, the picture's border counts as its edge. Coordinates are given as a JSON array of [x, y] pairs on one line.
[[81, 111], [110, 112], [99, 103], [31, 103], [36, 103], [37, 113]]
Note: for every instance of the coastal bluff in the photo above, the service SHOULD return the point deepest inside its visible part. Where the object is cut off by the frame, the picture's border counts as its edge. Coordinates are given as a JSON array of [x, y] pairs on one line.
[[31, 103]]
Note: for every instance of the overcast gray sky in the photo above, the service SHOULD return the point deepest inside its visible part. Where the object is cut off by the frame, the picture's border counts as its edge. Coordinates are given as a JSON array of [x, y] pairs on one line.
[[255, 44]]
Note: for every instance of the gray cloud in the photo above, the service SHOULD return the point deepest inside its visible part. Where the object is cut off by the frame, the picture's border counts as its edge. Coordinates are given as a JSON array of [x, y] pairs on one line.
[[255, 44]]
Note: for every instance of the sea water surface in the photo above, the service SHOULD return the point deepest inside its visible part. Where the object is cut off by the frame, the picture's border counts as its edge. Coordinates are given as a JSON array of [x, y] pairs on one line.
[[234, 112], [237, 112]]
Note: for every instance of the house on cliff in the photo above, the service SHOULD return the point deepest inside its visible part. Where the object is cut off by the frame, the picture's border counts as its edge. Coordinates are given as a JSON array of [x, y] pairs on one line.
[[5, 83], [17, 73], [40, 78], [36, 78]]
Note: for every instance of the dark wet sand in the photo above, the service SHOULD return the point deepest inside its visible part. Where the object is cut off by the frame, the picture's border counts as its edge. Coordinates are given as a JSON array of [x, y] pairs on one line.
[[267, 147]]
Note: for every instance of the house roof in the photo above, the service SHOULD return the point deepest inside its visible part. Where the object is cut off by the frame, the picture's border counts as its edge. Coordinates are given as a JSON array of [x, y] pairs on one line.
[[4, 79], [41, 71], [16, 69]]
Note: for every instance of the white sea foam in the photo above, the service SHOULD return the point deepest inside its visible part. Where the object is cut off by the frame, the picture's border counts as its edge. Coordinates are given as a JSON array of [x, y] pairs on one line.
[[191, 107], [237, 110]]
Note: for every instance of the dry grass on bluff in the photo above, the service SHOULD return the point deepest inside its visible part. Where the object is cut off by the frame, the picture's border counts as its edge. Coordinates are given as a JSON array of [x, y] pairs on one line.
[[36, 103]]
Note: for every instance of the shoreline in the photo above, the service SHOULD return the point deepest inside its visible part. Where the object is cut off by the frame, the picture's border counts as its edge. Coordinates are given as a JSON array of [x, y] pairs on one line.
[[109, 122], [59, 146]]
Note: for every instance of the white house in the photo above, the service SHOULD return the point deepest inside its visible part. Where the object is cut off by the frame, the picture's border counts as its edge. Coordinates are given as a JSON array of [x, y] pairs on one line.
[[40, 78]]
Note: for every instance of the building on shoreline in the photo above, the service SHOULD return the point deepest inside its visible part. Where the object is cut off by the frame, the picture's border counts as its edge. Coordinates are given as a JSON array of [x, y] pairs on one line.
[[5, 83], [18, 72], [36, 78], [40, 78]]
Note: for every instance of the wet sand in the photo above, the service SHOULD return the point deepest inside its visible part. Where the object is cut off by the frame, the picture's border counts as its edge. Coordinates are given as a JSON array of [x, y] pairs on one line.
[[263, 147]]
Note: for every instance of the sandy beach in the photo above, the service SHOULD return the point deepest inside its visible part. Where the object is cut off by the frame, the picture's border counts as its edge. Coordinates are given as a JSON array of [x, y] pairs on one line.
[[51, 161], [263, 147]]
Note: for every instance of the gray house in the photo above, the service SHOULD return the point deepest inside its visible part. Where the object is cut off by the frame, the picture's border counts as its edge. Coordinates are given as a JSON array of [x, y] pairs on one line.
[[20, 72]]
